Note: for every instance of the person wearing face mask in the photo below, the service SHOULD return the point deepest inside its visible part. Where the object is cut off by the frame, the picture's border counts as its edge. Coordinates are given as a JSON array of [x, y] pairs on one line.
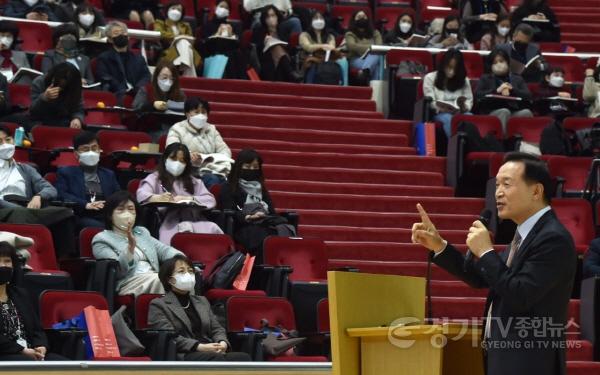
[[56, 97], [88, 184], [361, 35], [10, 59], [246, 194], [221, 16], [553, 86], [121, 71], [177, 38], [29, 9], [66, 49], [479, 16], [315, 42], [210, 155], [500, 34], [401, 34], [21, 335], [523, 52], [449, 84], [24, 195], [174, 183], [165, 87], [138, 253], [88, 21], [451, 36], [500, 81], [544, 21], [200, 337]]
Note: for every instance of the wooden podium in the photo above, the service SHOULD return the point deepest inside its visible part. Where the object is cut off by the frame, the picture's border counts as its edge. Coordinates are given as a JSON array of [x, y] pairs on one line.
[[362, 307]]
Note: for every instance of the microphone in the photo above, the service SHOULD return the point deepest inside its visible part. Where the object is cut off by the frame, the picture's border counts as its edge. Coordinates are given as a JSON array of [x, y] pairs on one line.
[[484, 217]]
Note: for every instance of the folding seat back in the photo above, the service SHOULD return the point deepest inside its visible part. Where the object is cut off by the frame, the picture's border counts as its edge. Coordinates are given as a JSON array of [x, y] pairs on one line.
[[85, 241], [574, 170], [58, 305], [121, 140], [249, 311], [579, 123], [307, 257], [344, 12], [203, 248], [576, 215], [20, 95], [485, 124], [91, 98], [43, 257], [323, 316], [133, 185], [36, 37], [52, 137], [51, 178], [529, 128], [423, 57], [574, 69], [142, 305]]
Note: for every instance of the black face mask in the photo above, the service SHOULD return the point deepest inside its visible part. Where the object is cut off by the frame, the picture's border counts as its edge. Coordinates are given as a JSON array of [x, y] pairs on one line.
[[121, 41], [6, 274], [250, 174], [362, 23], [520, 46]]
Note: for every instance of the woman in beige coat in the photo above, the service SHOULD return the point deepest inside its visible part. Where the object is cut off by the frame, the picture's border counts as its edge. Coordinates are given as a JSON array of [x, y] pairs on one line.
[[591, 91], [211, 156]]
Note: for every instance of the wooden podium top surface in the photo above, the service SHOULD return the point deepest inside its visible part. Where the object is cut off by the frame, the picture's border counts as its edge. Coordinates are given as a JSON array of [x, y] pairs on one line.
[[464, 331]]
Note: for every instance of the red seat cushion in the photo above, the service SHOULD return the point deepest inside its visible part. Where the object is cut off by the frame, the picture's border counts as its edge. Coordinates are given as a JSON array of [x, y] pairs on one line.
[[222, 294]]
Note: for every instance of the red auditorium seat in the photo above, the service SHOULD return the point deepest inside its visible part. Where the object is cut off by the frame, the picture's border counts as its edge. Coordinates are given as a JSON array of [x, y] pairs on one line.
[[111, 141], [58, 306], [247, 312], [485, 124], [576, 215], [578, 123], [43, 256], [573, 66], [345, 12], [423, 57], [529, 128], [36, 37], [207, 249], [20, 95], [59, 141], [323, 316], [307, 257], [574, 170], [85, 241], [142, 304]]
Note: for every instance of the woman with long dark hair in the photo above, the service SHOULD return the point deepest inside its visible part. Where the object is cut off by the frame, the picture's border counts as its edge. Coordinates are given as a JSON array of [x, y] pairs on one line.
[[361, 35], [174, 183], [165, 86], [500, 81], [404, 29], [315, 42], [449, 89], [56, 97], [247, 195]]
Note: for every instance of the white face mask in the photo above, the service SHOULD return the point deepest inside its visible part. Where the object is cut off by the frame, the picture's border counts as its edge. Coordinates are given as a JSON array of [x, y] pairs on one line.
[[185, 281], [165, 84], [450, 73], [89, 159], [86, 19], [225, 33], [31, 3], [174, 14], [318, 24], [221, 12], [174, 167], [198, 121], [7, 151], [557, 81], [123, 220], [405, 27], [500, 68], [503, 31], [6, 41]]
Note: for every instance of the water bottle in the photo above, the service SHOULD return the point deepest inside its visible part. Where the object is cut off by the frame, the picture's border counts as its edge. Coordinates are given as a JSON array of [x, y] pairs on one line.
[[19, 135]]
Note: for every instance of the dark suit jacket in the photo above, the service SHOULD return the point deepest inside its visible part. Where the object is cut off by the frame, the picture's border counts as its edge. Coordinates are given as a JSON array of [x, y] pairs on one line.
[[537, 285], [168, 314], [35, 334], [51, 58], [70, 184], [489, 83], [114, 75], [591, 262], [531, 74]]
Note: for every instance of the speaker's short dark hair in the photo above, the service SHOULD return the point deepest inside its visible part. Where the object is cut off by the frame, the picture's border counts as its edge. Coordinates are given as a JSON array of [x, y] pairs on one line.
[[535, 171], [166, 269]]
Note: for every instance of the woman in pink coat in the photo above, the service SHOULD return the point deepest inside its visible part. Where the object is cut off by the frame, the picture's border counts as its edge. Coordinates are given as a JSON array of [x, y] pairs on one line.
[[173, 183]]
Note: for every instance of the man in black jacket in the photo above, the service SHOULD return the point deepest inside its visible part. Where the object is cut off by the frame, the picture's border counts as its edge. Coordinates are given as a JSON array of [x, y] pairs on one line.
[[530, 283], [525, 57]]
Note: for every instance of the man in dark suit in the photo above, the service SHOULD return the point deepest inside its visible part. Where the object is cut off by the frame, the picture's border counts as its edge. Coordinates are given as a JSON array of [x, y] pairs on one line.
[[120, 70], [87, 184], [530, 283]]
